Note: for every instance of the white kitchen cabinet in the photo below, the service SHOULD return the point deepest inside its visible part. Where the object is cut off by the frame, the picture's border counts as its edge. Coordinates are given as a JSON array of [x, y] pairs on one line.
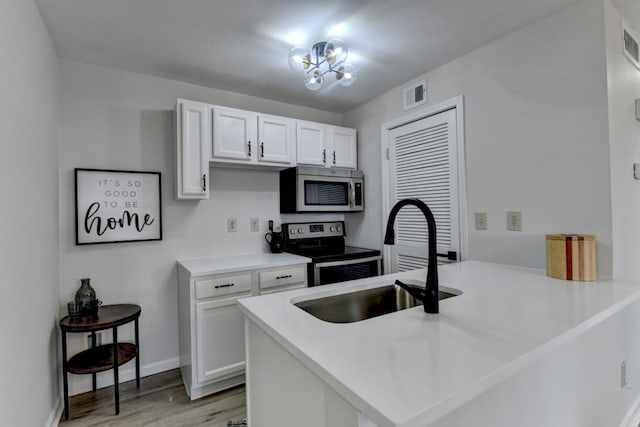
[[247, 137], [344, 147], [276, 140], [311, 140], [193, 137], [211, 327], [326, 145], [220, 339], [234, 134]]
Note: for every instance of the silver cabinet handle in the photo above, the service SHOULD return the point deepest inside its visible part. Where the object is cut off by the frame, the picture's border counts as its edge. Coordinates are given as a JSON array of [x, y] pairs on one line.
[[262, 149], [334, 157], [204, 182], [228, 285], [324, 156], [284, 277], [249, 144]]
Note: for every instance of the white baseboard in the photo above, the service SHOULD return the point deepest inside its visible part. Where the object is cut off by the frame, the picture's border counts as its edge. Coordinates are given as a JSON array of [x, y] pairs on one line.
[[82, 383], [55, 414]]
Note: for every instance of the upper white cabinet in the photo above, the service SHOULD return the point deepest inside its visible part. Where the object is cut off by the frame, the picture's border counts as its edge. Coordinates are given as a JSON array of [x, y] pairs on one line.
[[344, 147], [325, 145], [246, 137], [234, 134], [229, 136], [311, 141], [193, 137], [276, 140]]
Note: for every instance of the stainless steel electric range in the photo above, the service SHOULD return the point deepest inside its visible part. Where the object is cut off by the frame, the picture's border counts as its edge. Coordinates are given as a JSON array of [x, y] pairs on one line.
[[332, 260]]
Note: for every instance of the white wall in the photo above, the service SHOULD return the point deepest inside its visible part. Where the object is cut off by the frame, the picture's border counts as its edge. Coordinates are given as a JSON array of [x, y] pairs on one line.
[[624, 136], [536, 137], [28, 218], [114, 119]]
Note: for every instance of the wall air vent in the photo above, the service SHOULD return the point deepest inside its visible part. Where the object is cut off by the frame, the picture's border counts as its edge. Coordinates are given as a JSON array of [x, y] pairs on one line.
[[630, 45], [414, 95]]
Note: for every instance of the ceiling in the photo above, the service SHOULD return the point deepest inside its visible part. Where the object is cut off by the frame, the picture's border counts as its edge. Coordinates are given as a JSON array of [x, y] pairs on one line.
[[242, 45]]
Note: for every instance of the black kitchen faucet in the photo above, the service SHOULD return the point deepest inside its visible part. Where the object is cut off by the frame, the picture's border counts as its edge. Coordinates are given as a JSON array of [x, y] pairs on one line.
[[429, 295]]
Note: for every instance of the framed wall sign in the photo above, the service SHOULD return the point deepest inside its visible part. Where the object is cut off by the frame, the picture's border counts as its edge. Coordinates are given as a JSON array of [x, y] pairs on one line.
[[117, 206]]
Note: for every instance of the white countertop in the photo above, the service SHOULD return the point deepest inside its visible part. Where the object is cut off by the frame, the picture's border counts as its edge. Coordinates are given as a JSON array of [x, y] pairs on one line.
[[410, 368], [232, 263]]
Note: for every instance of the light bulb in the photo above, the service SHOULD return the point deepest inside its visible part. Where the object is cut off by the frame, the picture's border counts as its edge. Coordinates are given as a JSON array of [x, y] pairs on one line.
[[299, 59], [335, 51], [314, 81], [346, 75]]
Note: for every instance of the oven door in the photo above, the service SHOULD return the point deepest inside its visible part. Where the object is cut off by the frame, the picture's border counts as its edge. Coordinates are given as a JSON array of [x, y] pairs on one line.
[[325, 273], [328, 194]]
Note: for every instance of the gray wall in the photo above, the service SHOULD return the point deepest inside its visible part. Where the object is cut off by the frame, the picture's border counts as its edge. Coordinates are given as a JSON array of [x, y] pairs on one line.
[[28, 217], [536, 137], [113, 119]]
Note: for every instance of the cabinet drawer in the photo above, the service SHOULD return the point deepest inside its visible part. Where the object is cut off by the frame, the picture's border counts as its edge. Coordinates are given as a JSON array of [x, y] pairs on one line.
[[285, 276], [221, 286]]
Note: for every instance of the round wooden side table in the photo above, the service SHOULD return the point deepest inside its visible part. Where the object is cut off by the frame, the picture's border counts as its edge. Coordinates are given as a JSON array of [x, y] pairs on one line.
[[101, 358]]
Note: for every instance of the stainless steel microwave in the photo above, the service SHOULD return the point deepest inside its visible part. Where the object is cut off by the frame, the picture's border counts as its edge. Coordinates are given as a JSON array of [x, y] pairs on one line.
[[309, 189]]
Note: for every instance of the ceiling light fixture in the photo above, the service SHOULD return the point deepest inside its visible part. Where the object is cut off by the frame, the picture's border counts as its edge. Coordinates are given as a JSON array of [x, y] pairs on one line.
[[325, 57]]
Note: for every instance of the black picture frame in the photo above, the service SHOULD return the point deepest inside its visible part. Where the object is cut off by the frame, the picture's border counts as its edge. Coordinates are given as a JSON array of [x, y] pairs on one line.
[[135, 193]]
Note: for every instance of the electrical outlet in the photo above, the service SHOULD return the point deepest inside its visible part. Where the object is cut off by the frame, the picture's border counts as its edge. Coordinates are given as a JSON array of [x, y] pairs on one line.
[[514, 221], [255, 224], [481, 220], [232, 225]]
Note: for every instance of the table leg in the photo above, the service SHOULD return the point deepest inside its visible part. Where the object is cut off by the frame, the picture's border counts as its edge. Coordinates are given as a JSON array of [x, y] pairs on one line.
[[64, 375], [93, 345], [116, 385], [137, 355]]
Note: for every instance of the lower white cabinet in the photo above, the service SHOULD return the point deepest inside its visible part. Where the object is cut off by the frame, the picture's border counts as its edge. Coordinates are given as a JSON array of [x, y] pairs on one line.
[[211, 330], [220, 339]]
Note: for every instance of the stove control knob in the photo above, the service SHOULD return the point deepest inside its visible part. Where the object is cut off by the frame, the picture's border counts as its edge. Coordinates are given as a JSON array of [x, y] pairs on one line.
[[292, 231], [299, 230], [331, 229], [339, 228]]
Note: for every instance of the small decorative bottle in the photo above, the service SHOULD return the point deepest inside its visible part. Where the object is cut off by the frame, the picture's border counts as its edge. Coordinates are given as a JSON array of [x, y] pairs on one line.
[[85, 297]]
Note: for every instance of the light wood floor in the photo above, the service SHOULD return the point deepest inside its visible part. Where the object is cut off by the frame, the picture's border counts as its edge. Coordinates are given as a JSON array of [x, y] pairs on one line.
[[161, 401]]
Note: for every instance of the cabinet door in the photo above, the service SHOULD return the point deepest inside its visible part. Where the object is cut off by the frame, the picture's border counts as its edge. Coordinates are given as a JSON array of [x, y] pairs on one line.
[[220, 339], [344, 148], [275, 138], [310, 142], [234, 134], [193, 139]]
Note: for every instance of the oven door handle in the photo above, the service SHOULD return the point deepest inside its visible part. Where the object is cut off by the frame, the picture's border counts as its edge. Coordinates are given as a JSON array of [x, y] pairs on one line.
[[346, 262]]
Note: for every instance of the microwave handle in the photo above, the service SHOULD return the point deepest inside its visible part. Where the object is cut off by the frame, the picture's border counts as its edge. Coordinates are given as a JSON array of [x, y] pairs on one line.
[[352, 194]]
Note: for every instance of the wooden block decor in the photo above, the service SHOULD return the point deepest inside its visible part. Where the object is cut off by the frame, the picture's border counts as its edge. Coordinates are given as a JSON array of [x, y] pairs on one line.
[[571, 257]]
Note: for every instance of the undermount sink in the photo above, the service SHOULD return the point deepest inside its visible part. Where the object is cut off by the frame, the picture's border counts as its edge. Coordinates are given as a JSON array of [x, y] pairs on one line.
[[368, 303]]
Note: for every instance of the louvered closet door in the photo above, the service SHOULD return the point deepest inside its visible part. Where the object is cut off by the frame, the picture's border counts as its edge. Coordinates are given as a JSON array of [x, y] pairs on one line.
[[423, 165]]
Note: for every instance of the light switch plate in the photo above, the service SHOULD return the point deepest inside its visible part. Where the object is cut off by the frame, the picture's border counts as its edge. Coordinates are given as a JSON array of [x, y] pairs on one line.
[[255, 224], [636, 171], [514, 221], [481, 220], [232, 225]]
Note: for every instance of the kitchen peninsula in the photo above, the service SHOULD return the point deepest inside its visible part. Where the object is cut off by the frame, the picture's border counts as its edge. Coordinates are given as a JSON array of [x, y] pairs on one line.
[[516, 348]]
